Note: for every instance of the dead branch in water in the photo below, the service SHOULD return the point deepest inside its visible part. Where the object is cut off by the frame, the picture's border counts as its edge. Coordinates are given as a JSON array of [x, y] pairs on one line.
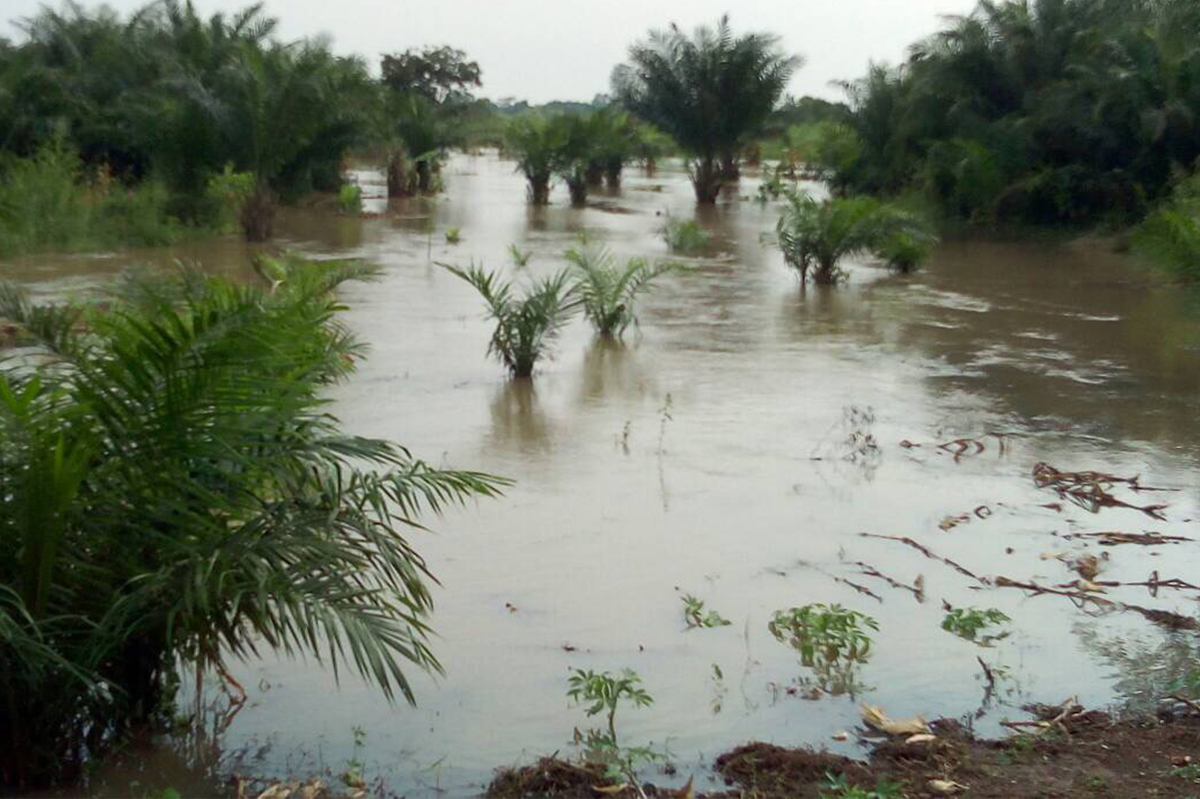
[[924, 550], [917, 589], [1166, 618], [1092, 490], [1111, 539]]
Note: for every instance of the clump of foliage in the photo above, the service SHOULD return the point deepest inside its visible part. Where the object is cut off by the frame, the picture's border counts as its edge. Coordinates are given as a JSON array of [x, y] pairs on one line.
[[603, 692], [695, 615], [453, 235], [824, 630], [711, 92], [684, 235], [47, 202], [526, 325], [607, 291], [817, 235], [350, 199], [1046, 112], [177, 493], [1170, 236], [968, 623], [831, 640]]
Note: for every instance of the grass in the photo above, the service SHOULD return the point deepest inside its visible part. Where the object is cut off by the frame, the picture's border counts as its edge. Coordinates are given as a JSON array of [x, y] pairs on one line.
[[350, 199]]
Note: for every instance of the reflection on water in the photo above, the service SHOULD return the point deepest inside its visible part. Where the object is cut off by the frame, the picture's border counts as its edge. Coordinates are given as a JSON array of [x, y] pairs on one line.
[[782, 401]]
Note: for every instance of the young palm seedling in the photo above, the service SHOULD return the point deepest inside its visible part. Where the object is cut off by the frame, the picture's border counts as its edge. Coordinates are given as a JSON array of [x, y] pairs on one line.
[[525, 325], [603, 692], [608, 291], [520, 258]]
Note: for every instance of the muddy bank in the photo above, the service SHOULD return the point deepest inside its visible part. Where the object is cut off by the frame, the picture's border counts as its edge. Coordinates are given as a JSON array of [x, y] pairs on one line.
[[1086, 754]]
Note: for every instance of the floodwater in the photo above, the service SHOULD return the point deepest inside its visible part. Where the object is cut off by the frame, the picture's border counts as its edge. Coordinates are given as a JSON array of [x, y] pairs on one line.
[[735, 447]]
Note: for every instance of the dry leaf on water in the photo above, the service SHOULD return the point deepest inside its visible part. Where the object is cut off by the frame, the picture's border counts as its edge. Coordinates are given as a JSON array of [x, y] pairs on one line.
[[610, 789], [875, 717], [920, 738], [277, 791], [841, 736]]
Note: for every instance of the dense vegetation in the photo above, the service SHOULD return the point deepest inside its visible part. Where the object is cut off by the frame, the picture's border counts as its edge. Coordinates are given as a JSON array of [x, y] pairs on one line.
[[176, 493], [1047, 112]]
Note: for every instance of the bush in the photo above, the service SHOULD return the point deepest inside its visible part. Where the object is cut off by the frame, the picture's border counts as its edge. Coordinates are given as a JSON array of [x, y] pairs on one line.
[[1170, 237], [684, 235]]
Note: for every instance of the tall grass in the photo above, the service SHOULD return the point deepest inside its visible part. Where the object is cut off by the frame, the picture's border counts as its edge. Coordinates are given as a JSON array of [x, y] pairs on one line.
[[1170, 236], [684, 235]]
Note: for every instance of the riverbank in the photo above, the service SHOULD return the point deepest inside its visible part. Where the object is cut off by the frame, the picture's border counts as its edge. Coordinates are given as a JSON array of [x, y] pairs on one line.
[[1063, 752]]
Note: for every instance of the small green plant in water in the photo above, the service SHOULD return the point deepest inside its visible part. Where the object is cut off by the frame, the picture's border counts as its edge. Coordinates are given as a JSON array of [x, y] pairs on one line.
[[695, 616], [525, 325], [353, 775], [520, 258], [608, 291], [836, 786], [830, 639], [684, 235], [968, 623], [350, 199], [603, 692], [453, 235]]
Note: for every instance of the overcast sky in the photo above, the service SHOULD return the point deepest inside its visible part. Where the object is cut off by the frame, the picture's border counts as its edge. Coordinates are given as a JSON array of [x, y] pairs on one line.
[[543, 50]]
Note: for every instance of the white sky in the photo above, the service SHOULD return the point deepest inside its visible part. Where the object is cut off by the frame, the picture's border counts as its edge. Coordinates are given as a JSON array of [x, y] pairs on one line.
[[543, 50]]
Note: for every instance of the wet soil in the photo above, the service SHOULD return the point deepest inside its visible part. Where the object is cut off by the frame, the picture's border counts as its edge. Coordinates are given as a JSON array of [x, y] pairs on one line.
[[1095, 756]]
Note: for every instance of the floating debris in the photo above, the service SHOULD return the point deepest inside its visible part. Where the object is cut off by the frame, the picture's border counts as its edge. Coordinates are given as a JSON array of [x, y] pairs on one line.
[[1112, 539], [927, 552], [1093, 490]]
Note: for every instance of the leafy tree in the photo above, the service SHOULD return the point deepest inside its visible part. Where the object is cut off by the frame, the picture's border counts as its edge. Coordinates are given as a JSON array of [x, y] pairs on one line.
[[710, 92], [439, 74], [537, 143]]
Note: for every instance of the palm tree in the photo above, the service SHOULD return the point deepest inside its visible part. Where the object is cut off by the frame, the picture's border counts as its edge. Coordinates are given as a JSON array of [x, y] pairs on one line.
[[177, 493], [817, 235], [710, 92], [525, 325], [537, 144], [607, 291]]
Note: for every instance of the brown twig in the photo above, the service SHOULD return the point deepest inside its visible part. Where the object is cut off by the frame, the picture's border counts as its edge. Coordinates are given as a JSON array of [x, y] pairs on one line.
[[930, 554]]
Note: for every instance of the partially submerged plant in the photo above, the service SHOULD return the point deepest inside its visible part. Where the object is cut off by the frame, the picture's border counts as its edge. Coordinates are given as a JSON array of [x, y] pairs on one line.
[[525, 325], [967, 623], [830, 639], [837, 786], [684, 235], [603, 692], [520, 258], [607, 291], [536, 143], [453, 235], [695, 616], [350, 199], [817, 235]]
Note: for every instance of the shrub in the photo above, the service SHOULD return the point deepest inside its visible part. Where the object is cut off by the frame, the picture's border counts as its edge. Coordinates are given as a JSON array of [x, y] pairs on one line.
[[684, 235]]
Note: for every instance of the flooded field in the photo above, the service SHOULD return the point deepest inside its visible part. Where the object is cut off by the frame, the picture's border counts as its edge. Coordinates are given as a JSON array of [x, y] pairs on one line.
[[736, 447]]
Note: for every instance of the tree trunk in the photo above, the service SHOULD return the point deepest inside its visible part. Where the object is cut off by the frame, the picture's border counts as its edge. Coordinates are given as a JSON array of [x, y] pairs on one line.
[[578, 187], [826, 274], [594, 174], [424, 176], [706, 179], [539, 190], [730, 166], [612, 174], [258, 214], [651, 167]]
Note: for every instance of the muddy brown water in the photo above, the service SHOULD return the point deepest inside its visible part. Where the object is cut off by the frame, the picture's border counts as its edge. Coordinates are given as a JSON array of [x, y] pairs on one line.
[[733, 447]]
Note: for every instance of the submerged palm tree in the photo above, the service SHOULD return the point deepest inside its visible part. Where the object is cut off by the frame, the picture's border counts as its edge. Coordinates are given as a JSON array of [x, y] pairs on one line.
[[817, 235], [525, 325], [537, 144], [177, 493], [710, 92], [607, 291]]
